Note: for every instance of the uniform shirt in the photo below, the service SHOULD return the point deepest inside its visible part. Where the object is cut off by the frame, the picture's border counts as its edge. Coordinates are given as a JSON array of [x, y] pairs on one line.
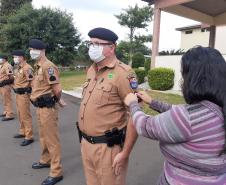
[[23, 77], [5, 70], [102, 106], [46, 74]]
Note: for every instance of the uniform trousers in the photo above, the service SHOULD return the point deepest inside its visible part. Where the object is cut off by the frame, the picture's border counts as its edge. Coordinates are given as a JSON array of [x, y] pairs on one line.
[[7, 101], [97, 162], [24, 115], [49, 139]]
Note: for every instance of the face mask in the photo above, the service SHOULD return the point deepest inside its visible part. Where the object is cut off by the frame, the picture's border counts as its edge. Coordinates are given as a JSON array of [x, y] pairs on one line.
[[16, 61], [1, 61], [35, 54], [95, 53]]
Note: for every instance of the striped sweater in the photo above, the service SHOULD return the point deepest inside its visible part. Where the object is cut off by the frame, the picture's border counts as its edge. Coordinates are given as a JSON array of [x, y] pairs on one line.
[[191, 138]]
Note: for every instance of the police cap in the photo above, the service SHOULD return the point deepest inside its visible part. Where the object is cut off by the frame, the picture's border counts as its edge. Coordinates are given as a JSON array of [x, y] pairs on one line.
[[104, 34], [37, 44], [4, 57], [18, 52]]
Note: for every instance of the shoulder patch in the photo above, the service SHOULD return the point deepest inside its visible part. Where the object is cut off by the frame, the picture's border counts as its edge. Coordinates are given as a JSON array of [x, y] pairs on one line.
[[50, 71], [10, 69], [30, 73], [132, 79], [133, 83]]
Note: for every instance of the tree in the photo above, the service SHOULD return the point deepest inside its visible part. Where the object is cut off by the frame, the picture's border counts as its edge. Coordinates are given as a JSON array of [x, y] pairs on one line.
[[123, 49], [54, 27], [82, 53], [172, 52], [8, 7], [135, 18]]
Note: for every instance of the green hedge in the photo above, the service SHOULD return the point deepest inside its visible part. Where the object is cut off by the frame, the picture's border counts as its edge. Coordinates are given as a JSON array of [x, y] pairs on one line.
[[138, 60], [147, 64], [140, 75], [161, 78]]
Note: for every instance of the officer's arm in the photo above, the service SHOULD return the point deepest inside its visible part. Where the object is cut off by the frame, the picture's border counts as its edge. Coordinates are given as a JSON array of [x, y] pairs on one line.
[[131, 134], [121, 158], [9, 72], [57, 91]]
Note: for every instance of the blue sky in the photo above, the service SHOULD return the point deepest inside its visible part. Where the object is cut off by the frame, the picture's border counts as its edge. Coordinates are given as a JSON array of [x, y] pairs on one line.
[[100, 13]]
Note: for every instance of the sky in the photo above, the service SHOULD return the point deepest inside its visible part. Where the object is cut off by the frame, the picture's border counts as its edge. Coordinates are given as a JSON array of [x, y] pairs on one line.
[[89, 14]]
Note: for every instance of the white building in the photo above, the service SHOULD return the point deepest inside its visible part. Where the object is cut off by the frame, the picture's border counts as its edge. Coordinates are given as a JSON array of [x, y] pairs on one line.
[[190, 37], [199, 35]]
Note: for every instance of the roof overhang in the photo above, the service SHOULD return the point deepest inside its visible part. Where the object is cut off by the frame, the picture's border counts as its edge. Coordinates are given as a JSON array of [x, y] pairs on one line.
[[212, 12]]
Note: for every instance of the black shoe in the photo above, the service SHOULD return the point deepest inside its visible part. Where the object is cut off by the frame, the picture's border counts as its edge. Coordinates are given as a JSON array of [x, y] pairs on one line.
[[27, 142], [7, 119], [52, 180], [2, 115], [39, 165], [18, 136]]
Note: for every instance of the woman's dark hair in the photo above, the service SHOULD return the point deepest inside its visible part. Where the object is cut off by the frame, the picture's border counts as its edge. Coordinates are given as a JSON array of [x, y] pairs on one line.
[[204, 73]]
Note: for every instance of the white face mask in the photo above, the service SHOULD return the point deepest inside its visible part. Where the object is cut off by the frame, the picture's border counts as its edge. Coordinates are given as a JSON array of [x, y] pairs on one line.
[[35, 54], [16, 60], [1, 61], [95, 53]]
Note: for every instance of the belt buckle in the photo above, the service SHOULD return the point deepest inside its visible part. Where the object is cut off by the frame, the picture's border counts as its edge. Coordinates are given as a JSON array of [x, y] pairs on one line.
[[92, 140]]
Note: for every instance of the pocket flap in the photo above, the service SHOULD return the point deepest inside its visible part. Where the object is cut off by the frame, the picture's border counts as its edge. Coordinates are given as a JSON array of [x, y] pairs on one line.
[[105, 87]]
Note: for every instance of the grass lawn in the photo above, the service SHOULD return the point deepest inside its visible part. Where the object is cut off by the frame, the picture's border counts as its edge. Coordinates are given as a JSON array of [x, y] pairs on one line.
[[169, 98], [72, 79]]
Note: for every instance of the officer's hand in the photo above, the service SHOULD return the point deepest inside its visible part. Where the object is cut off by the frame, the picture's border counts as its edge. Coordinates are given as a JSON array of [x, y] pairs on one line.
[[144, 96], [120, 162], [130, 98], [62, 103]]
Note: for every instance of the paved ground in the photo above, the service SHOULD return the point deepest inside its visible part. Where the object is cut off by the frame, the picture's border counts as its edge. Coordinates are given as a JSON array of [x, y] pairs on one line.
[[15, 161]]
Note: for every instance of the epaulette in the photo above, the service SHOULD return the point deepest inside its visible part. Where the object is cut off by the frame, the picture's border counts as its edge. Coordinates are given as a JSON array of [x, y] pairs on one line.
[[124, 66]]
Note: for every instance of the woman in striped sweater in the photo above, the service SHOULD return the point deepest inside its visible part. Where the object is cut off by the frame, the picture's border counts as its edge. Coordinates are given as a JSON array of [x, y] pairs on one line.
[[191, 136]]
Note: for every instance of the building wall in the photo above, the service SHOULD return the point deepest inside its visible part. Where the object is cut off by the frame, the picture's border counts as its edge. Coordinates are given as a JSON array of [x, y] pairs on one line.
[[172, 62], [220, 42], [195, 38]]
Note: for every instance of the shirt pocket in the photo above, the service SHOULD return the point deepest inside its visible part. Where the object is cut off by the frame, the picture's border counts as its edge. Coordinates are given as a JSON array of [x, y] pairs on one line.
[[40, 77], [103, 94]]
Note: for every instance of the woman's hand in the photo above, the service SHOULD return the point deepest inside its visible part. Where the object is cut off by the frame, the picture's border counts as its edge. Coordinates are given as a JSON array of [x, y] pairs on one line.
[[130, 98], [144, 96]]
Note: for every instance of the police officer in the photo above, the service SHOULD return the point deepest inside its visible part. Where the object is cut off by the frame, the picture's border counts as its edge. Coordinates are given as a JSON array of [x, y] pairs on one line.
[[46, 91], [6, 79], [22, 88], [103, 116]]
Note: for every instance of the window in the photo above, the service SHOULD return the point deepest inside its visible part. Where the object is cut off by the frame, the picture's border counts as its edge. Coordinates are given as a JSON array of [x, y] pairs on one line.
[[188, 32], [205, 29]]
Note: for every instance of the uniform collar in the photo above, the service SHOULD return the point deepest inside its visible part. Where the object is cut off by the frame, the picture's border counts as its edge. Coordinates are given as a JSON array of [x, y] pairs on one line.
[[21, 66], [109, 65]]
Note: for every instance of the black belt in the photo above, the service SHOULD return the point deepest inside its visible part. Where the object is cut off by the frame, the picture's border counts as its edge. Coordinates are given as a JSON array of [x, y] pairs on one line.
[[6, 82], [45, 101], [94, 139], [23, 90], [111, 138]]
